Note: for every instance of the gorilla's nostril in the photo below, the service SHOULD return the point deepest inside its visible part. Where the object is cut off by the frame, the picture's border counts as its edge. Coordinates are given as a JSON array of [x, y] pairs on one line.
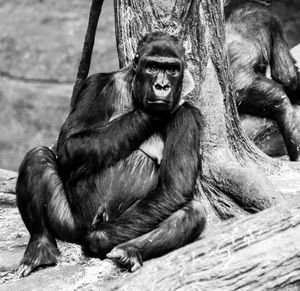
[[158, 87]]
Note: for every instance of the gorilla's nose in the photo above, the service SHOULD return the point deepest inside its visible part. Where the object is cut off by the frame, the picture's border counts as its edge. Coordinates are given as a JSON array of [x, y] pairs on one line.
[[162, 87], [161, 91]]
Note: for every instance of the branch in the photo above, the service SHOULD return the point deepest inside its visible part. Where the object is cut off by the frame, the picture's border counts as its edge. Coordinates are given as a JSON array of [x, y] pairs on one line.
[[84, 66]]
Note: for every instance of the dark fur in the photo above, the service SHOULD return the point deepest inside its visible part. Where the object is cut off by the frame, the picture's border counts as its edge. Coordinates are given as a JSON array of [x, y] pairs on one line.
[[255, 41], [101, 191]]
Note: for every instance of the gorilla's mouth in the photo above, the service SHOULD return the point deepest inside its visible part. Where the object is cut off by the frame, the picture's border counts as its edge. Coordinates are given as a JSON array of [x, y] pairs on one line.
[[158, 101], [163, 93]]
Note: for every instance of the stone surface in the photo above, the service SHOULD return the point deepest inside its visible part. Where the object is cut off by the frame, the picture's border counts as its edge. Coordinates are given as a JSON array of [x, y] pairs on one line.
[[7, 185]]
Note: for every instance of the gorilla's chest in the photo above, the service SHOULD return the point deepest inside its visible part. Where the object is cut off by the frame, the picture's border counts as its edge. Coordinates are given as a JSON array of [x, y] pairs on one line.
[[137, 173], [132, 178]]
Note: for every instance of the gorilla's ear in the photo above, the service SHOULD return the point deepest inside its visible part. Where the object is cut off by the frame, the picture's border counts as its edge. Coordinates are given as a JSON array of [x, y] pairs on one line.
[[135, 61], [262, 2], [226, 2], [188, 83]]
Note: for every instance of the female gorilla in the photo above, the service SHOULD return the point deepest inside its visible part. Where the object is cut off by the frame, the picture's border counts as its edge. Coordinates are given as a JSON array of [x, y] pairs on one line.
[[122, 183], [255, 41]]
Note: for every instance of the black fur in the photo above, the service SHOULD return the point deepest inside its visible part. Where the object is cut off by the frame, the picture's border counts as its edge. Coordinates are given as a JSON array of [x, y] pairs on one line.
[[101, 190], [255, 41]]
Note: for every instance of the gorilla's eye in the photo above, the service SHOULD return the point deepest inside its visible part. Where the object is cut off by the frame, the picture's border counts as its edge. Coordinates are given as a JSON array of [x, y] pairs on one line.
[[152, 68], [173, 70]]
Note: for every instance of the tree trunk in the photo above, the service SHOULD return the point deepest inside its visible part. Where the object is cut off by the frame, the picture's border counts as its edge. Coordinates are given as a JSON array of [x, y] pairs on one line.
[[234, 174]]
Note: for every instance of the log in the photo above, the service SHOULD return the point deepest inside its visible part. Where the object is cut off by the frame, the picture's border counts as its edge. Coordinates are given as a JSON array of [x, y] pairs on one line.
[[260, 252]]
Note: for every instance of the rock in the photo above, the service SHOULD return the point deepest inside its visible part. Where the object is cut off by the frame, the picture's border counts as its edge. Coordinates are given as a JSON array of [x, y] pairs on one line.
[[7, 199], [52, 278], [7, 187], [90, 275], [6, 174]]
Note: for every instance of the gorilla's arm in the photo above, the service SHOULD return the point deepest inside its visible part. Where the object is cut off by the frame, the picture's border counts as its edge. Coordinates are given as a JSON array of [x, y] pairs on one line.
[[89, 139], [178, 172]]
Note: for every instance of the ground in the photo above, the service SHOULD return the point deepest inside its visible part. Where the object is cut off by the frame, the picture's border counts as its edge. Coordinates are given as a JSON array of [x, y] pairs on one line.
[[73, 272]]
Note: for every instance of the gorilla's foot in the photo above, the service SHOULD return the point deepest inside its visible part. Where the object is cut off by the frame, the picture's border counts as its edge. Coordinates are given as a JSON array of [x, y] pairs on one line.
[[40, 252], [127, 256]]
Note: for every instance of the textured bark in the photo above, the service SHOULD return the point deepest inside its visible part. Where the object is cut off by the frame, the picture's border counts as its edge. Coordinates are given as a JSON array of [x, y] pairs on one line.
[[233, 181]]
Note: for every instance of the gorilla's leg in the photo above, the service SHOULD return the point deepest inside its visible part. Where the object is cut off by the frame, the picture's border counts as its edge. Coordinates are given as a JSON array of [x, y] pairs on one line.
[[44, 209], [283, 68], [181, 228], [129, 244], [266, 98]]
